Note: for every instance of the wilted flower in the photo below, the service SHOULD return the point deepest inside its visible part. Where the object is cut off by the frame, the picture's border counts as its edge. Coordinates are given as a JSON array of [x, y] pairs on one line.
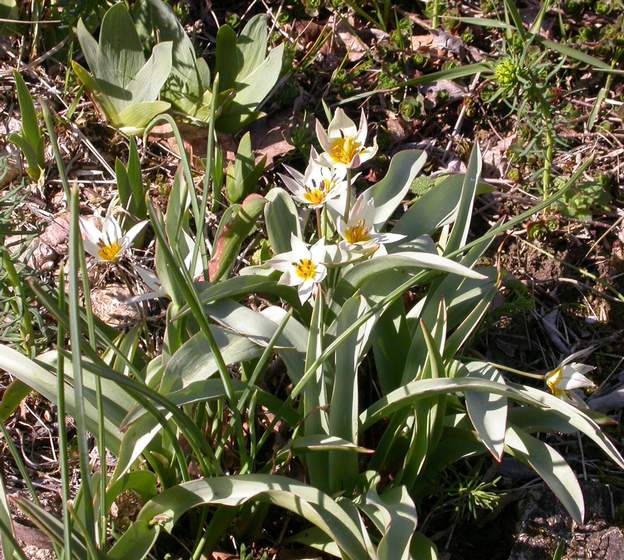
[[343, 143], [359, 234], [302, 266], [108, 244], [568, 376], [317, 185]]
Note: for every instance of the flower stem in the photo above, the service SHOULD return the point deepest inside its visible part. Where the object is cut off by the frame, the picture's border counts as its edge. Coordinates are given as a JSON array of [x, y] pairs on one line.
[[348, 201], [517, 371], [318, 223]]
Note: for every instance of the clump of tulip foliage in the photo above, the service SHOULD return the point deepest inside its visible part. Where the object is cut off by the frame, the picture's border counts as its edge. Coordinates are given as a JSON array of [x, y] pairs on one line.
[[377, 395]]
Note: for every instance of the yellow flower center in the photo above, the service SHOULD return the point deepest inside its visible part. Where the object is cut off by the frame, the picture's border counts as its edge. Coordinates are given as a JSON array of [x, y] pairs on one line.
[[553, 378], [357, 233], [343, 150], [305, 269], [315, 196], [110, 252]]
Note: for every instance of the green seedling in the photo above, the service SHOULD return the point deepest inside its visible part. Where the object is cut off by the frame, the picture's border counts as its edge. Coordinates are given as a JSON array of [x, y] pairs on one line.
[[130, 184], [30, 139]]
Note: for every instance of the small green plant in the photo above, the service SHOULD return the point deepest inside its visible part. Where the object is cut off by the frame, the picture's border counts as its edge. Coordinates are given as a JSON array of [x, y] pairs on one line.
[[412, 107], [587, 199], [125, 86], [473, 495], [130, 184], [506, 73], [30, 140], [246, 73]]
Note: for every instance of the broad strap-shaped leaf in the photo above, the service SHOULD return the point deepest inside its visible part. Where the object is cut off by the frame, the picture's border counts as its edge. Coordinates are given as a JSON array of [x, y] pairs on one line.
[[186, 85], [390, 333], [194, 361], [391, 190], [235, 226], [551, 466], [104, 101], [13, 395], [315, 401], [259, 327], [394, 516], [252, 45], [344, 404], [257, 86], [120, 53], [142, 482], [89, 46], [427, 418], [409, 261], [432, 210], [134, 118], [212, 390], [228, 59], [147, 83], [319, 442], [463, 215], [423, 548], [30, 126], [488, 411], [5, 516], [282, 220], [311, 504], [242, 177], [407, 394]]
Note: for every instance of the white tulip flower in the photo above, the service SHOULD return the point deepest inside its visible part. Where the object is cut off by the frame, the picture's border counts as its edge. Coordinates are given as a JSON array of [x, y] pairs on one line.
[[319, 184], [302, 266], [568, 376], [343, 144], [359, 233], [108, 244]]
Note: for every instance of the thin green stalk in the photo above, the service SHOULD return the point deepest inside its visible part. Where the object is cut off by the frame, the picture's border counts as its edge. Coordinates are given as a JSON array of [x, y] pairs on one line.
[[210, 149], [192, 298], [347, 209], [201, 227], [550, 140], [62, 428], [101, 431], [82, 434], [47, 117], [319, 230], [436, 12], [325, 220], [81, 266], [186, 167], [517, 371]]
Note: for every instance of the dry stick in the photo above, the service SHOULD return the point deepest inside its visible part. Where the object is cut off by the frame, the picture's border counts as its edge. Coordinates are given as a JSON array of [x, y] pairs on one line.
[[462, 114]]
